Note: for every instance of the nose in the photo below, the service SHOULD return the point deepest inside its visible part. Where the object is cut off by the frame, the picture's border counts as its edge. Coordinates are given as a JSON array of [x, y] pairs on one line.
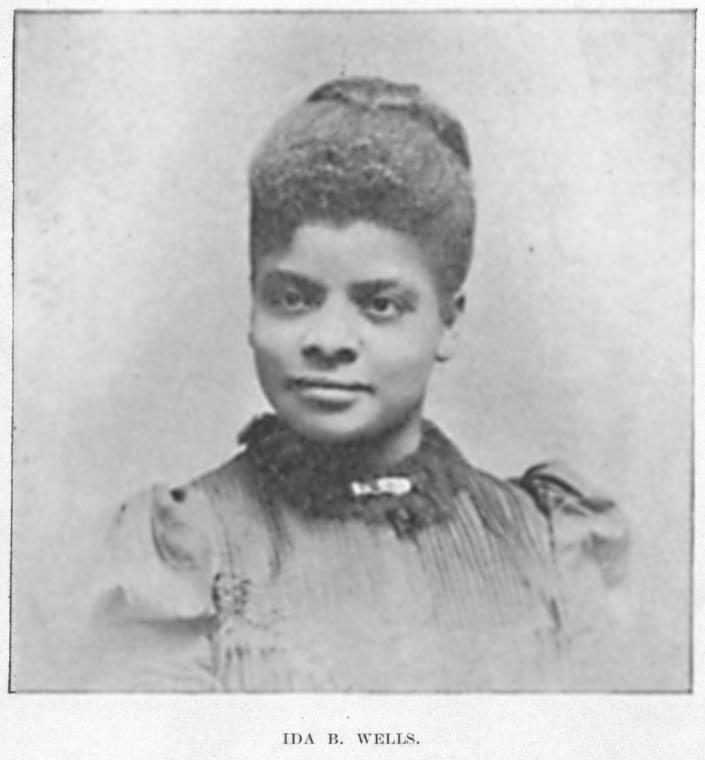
[[330, 338]]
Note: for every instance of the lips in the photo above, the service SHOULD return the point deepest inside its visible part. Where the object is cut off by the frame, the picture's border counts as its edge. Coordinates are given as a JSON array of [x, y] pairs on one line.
[[305, 382]]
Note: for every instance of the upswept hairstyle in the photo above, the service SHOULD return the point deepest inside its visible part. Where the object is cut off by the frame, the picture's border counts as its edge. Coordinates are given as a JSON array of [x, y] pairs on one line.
[[373, 150]]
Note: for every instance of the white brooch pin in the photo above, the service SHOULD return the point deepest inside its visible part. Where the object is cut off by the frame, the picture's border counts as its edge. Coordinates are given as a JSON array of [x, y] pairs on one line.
[[392, 486]]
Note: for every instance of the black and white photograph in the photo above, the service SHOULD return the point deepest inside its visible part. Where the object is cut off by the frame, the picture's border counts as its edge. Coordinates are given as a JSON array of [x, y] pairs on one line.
[[353, 353]]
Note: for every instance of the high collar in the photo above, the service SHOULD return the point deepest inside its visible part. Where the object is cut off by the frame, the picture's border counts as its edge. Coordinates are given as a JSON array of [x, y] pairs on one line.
[[338, 482]]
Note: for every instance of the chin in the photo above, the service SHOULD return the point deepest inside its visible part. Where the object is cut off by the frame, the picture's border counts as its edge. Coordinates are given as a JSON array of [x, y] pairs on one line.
[[328, 429], [343, 428]]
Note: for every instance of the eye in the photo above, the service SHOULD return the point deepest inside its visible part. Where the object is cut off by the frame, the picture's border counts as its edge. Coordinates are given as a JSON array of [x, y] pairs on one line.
[[384, 307], [289, 299], [292, 299]]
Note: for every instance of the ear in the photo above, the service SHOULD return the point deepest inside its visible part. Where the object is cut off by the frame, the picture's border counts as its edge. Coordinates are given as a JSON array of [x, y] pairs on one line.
[[452, 311]]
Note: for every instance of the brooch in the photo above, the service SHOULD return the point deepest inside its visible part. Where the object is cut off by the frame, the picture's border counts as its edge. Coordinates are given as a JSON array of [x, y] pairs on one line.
[[390, 486]]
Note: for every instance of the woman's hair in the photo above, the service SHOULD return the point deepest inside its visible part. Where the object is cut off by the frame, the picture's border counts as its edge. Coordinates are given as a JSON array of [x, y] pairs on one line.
[[367, 149]]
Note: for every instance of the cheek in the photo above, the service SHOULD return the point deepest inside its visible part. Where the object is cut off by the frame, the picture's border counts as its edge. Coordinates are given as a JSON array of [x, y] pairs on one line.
[[408, 358], [272, 341]]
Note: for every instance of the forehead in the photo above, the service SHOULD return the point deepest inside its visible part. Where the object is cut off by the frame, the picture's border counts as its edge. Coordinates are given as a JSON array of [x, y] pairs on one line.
[[358, 252]]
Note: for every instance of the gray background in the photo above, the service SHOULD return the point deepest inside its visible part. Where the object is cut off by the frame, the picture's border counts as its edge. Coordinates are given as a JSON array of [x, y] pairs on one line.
[[133, 134]]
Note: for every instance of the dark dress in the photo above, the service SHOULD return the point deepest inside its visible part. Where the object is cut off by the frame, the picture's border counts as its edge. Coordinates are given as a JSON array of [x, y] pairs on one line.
[[284, 571]]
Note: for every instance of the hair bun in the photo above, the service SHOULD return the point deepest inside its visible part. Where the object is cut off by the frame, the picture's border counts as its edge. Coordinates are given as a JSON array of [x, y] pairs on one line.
[[375, 93]]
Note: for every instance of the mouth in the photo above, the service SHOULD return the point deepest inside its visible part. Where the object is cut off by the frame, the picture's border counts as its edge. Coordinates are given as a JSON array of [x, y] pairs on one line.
[[325, 383]]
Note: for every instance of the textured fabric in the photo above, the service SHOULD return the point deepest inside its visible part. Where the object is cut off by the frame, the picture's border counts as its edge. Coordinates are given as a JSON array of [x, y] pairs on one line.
[[321, 481], [214, 587]]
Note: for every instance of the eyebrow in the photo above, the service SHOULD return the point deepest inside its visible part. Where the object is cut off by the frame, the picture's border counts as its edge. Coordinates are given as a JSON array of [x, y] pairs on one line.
[[369, 288], [287, 275]]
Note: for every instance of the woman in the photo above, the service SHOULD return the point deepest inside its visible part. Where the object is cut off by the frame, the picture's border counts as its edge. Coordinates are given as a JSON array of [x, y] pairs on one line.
[[349, 545]]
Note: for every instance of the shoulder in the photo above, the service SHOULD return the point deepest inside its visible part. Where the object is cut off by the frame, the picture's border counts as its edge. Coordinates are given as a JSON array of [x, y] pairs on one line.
[[582, 536], [587, 527], [149, 592], [562, 518], [591, 540], [163, 545]]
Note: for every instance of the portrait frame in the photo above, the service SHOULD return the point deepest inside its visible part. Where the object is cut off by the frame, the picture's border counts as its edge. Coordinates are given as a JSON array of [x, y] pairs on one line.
[[642, 723]]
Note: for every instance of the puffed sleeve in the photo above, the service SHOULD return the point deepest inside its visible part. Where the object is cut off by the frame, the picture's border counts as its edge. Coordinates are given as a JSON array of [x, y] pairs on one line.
[[159, 556], [589, 538], [151, 603]]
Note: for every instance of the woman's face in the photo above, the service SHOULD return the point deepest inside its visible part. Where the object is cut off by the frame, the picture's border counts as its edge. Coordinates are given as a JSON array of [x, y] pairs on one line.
[[346, 328]]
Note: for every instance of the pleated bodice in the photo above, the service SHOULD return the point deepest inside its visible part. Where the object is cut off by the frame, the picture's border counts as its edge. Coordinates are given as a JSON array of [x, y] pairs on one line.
[[213, 587]]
